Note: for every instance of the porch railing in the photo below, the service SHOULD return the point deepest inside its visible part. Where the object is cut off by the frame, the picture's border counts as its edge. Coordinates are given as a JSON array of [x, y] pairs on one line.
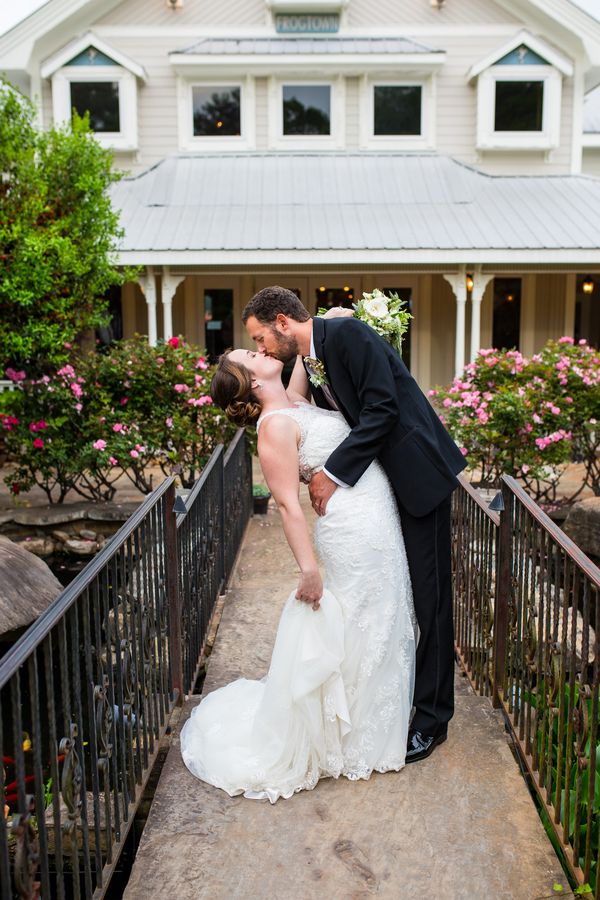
[[86, 693], [527, 622]]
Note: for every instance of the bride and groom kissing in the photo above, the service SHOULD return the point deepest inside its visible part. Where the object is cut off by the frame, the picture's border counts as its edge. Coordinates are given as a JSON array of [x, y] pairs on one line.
[[362, 673]]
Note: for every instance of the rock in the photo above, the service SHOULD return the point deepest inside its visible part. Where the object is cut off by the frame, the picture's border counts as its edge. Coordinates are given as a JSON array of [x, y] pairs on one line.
[[62, 536], [38, 516], [27, 586], [39, 546], [112, 512], [81, 548], [88, 535], [583, 525]]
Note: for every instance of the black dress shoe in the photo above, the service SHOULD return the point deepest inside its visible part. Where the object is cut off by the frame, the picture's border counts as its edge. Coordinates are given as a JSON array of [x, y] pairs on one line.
[[420, 745]]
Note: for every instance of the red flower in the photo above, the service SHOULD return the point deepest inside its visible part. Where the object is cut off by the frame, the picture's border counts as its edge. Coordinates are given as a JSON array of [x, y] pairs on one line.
[[173, 342], [15, 488], [38, 443]]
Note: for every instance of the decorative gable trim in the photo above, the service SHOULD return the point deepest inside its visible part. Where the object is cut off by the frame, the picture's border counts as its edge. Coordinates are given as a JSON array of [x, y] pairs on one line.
[[68, 53], [537, 45]]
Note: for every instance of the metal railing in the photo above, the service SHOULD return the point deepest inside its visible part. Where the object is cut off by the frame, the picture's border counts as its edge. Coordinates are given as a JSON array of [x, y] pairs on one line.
[[527, 620], [86, 693]]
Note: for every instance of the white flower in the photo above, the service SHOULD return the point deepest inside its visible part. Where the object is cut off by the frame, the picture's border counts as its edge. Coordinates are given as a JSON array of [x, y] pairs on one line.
[[376, 308]]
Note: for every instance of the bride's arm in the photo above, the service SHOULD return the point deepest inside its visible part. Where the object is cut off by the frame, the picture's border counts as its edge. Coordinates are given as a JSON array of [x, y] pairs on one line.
[[298, 388], [278, 454]]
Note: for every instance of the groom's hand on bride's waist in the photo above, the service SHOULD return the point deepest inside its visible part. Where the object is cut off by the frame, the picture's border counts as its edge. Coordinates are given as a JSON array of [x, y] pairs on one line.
[[320, 489]]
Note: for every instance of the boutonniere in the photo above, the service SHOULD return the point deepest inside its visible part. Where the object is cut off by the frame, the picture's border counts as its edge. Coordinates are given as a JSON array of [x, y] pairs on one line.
[[316, 371]]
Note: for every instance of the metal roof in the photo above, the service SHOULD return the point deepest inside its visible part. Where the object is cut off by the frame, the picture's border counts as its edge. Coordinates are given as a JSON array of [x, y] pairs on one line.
[[351, 201], [300, 45]]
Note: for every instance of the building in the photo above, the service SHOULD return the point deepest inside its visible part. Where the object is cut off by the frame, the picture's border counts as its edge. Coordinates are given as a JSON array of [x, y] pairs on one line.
[[442, 148]]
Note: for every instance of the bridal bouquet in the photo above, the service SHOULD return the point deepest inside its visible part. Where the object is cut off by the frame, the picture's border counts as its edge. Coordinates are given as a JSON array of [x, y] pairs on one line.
[[386, 315]]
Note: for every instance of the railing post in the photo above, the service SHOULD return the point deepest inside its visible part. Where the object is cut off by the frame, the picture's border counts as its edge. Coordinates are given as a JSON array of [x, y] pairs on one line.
[[222, 520], [503, 589], [172, 587]]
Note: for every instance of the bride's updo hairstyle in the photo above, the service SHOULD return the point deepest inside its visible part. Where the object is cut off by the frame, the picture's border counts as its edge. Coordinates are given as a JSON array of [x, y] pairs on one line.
[[231, 389]]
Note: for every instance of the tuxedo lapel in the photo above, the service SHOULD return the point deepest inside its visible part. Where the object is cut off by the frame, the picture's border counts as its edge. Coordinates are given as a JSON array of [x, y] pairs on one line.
[[319, 335]]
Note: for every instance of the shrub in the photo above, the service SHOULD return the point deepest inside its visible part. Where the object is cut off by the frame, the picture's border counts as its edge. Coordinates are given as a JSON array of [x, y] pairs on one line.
[[110, 413], [527, 417]]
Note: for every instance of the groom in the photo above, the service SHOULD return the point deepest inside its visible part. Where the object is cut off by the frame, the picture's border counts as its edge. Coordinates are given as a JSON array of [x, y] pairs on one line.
[[354, 370]]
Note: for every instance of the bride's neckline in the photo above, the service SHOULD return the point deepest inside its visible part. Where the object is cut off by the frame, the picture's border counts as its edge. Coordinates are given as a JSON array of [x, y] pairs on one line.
[[283, 409]]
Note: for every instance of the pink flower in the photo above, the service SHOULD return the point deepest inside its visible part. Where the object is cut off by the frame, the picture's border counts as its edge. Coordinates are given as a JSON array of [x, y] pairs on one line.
[[76, 388], [140, 447], [565, 339], [582, 342], [201, 363], [528, 427], [9, 422], [67, 371], [113, 461], [124, 401], [160, 360], [429, 393], [181, 388], [179, 367], [38, 443], [169, 422], [555, 410], [524, 468], [117, 426], [79, 407], [134, 454], [15, 376], [447, 402], [67, 345], [464, 451], [38, 426], [99, 444], [173, 342]]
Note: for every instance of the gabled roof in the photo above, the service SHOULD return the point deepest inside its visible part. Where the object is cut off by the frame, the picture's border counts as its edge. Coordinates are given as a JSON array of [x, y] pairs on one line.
[[80, 44], [364, 207], [524, 38]]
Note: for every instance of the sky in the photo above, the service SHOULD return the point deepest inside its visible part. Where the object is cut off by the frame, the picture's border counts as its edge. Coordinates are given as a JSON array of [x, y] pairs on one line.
[[10, 15]]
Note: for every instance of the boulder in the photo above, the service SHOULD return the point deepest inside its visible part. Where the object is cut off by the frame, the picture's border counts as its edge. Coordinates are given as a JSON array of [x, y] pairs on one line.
[[39, 546], [27, 586], [583, 525], [81, 548]]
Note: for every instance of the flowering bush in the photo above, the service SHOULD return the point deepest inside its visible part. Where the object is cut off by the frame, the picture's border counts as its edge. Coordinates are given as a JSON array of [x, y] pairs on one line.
[[527, 417], [111, 413]]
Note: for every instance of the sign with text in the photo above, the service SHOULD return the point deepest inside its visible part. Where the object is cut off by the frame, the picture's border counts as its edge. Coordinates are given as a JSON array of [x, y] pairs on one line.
[[307, 23]]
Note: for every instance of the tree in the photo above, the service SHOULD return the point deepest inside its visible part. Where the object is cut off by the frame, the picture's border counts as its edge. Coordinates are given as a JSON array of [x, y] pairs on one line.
[[58, 234]]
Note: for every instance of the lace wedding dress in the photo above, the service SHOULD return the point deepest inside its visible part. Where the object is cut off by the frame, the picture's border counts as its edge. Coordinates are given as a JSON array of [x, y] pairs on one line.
[[337, 698]]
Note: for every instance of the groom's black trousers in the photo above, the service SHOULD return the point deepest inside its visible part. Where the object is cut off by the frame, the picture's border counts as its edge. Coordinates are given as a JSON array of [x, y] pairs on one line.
[[427, 542]]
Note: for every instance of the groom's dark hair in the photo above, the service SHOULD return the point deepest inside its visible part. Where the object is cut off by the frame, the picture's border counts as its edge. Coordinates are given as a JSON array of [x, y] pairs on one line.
[[268, 303]]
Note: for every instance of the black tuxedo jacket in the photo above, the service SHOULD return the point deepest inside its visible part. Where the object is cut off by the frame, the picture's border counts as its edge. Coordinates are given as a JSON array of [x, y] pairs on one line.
[[391, 418]]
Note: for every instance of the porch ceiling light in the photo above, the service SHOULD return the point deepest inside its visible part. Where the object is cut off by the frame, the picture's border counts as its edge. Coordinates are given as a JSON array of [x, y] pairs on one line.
[[469, 281], [588, 285]]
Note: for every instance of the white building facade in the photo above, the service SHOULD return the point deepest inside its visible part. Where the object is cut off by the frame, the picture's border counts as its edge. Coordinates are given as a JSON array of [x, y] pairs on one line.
[[440, 148]]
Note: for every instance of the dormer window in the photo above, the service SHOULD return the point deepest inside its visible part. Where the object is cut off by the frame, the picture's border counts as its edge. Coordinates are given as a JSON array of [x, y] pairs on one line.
[[519, 96], [91, 78]]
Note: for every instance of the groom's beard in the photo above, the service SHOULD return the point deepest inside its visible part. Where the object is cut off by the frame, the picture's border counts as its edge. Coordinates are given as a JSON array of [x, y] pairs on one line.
[[286, 349]]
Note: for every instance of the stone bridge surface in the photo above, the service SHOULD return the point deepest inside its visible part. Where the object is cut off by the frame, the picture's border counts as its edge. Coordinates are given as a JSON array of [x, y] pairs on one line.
[[460, 824]]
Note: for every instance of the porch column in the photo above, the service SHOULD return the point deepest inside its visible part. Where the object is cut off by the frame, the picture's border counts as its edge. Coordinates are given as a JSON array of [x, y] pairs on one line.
[[169, 285], [480, 282], [458, 283], [148, 285]]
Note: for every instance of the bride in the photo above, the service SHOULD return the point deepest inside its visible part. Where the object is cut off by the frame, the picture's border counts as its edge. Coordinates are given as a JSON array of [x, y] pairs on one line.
[[337, 698]]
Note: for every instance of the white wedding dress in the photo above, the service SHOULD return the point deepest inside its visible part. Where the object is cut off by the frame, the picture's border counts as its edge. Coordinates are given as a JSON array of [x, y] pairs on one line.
[[338, 695]]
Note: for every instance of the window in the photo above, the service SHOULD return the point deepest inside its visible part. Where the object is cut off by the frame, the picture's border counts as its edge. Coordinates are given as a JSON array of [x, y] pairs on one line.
[[506, 329], [216, 111], [396, 109], [100, 100], [306, 109], [327, 297], [519, 106], [218, 320], [90, 77]]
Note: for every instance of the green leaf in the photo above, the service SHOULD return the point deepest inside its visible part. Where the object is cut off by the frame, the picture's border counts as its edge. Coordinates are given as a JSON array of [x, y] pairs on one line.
[[557, 888]]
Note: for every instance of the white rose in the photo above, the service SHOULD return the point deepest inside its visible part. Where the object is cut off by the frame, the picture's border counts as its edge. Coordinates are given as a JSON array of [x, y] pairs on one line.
[[376, 308]]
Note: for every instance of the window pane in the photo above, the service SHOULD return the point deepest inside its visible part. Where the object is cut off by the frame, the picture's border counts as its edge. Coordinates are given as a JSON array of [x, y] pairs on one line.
[[218, 320], [507, 313], [334, 296], [519, 105], [306, 109], [397, 109], [216, 111], [101, 100]]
